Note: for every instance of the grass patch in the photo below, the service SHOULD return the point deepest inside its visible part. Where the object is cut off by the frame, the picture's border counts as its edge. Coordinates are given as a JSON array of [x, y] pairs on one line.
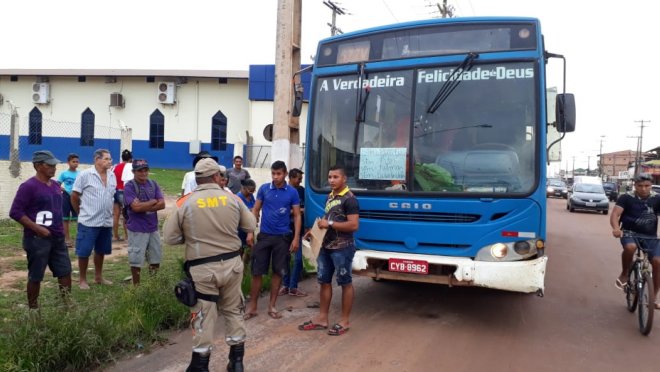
[[169, 180], [11, 238], [100, 324], [96, 326]]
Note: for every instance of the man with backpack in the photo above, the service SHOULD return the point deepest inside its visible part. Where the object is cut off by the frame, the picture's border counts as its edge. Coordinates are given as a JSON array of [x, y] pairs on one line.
[[142, 199]]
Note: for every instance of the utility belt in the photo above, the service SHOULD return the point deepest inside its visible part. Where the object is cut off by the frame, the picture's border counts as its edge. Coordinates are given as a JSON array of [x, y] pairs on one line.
[[185, 291]]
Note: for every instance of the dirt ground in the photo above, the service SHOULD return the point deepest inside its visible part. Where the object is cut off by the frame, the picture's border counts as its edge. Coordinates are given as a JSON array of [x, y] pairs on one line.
[[581, 324]]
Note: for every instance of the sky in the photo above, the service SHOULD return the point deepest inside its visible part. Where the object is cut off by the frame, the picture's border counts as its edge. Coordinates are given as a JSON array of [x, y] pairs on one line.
[[609, 47]]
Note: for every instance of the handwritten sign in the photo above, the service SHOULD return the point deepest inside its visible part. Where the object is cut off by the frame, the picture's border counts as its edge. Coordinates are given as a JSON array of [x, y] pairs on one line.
[[383, 163]]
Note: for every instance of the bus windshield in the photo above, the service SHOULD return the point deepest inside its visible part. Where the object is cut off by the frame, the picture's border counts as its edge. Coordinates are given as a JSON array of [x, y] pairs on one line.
[[480, 139]]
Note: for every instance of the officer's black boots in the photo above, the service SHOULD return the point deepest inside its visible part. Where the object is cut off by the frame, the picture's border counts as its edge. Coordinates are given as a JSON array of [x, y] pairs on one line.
[[199, 362], [236, 353]]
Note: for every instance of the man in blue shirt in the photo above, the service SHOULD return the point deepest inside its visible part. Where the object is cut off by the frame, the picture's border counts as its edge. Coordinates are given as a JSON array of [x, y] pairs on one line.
[[275, 241]]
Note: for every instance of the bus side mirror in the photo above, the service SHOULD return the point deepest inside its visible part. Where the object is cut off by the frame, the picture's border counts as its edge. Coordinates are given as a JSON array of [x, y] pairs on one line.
[[565, 112]]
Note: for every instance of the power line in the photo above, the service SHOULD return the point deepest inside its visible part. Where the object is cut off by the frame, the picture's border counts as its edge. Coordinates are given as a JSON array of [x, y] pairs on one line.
[[334, 30]]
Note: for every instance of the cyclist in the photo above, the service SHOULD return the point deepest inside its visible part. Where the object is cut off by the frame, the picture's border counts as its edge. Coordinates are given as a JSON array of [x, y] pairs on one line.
[[637, 211]]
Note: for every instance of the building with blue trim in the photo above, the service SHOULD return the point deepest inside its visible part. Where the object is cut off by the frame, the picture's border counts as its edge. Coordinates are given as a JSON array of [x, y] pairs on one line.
[[165, 116]]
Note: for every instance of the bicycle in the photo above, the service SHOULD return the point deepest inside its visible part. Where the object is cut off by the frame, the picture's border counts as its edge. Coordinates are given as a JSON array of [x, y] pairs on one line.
[[639, 289]]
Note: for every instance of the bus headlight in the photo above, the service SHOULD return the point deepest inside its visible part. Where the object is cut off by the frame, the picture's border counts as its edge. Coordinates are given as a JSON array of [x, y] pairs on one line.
[[522, 247], [498, 250], [512, 251]]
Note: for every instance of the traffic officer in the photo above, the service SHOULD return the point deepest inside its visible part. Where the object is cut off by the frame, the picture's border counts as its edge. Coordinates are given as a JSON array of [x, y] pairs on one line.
[[206, 221]]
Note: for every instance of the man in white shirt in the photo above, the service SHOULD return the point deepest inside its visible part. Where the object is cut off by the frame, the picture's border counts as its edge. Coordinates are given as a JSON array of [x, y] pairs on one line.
[[189, 184]]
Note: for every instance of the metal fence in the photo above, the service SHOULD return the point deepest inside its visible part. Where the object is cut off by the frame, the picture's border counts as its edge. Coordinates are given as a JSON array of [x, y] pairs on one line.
[[259, 156], [21, 136]]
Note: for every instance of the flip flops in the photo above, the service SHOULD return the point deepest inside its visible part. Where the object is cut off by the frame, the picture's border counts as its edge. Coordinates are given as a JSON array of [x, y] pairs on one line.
[[248, 316], [337, 330], [275, 314], [311, 326], [297, 292], [621, 285]]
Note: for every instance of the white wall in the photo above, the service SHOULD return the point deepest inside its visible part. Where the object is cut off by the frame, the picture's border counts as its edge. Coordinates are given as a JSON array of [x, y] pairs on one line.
[[189, 119]]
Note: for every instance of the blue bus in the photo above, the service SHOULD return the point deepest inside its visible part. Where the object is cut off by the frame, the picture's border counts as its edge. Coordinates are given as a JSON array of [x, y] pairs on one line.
[[442, 127]]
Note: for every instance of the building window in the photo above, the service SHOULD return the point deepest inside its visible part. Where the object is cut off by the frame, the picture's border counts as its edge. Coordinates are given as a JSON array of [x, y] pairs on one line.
[[34, 136], [87, 128], [219, 132], [157, 130]]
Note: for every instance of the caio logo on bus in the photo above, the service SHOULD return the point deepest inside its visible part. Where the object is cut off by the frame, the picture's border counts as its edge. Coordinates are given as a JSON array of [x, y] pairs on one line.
[[422, 206]]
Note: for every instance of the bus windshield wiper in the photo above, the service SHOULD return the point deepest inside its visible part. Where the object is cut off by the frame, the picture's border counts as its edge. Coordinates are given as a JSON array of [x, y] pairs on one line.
[[361, 101], [452, 82], [361, 104]]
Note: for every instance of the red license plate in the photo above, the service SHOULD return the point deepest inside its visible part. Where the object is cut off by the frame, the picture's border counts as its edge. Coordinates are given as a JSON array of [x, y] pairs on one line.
[[408, 266]]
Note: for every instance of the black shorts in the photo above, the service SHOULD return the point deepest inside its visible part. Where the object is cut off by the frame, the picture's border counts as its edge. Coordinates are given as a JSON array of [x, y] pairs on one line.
[[42, 252], [271, 248]]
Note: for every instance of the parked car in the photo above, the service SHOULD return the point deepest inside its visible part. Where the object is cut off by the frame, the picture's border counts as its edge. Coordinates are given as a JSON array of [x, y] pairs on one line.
[[611, 190], [588, 196], [556, 188], [655, 188]]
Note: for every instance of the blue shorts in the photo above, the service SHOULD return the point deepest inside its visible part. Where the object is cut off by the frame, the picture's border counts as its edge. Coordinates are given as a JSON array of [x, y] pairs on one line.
[[98, 239], [650, 246], [42, 252], [68, 214], [119, 197], [335, 261]]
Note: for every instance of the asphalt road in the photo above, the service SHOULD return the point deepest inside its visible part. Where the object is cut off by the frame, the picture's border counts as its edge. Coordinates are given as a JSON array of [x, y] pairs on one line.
[[580, 325]]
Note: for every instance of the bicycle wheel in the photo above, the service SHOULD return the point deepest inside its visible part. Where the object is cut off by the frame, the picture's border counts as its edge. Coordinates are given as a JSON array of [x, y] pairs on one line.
[[646, 305], [631, 290]]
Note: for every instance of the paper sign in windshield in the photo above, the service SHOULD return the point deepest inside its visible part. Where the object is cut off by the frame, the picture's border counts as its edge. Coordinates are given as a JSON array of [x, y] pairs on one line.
[[383, 163]]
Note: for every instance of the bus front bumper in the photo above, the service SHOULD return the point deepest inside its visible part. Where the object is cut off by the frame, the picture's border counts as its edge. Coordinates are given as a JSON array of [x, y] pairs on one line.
[[517, 276]]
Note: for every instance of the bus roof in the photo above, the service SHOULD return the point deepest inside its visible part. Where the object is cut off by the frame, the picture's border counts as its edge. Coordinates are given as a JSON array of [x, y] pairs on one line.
[[432, 21]]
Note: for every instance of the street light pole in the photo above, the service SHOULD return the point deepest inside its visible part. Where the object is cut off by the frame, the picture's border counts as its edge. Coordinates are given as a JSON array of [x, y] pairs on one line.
[[600, 158], [638, 162], [573, 170]]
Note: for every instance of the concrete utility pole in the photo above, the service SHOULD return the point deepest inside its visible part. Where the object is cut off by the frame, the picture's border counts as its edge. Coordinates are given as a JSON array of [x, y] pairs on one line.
[[286, 134], [14, 142], [335, 10], [638, 161]]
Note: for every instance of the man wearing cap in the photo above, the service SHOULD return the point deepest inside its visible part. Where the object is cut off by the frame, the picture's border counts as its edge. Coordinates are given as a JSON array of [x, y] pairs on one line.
[[92, 198], [189, 184], [206, 221], [38, 207], [143, 198]]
